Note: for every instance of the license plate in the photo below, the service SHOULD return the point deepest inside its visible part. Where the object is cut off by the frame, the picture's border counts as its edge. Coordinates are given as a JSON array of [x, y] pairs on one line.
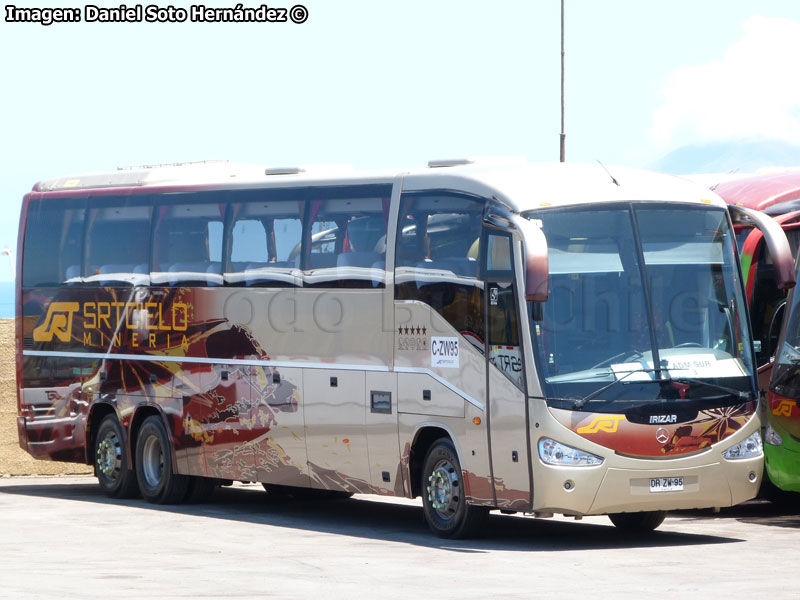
[[666, 484]]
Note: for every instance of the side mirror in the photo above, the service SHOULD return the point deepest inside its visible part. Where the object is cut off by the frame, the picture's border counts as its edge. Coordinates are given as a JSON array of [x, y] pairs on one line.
[[776, 241], [537, 270]]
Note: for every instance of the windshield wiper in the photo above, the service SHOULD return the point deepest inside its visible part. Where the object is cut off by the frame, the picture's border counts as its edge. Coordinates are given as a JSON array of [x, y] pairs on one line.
[[739, 393], [580, 402]]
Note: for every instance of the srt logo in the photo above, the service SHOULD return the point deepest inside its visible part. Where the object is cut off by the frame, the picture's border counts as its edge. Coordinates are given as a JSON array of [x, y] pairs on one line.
[[58, 322]]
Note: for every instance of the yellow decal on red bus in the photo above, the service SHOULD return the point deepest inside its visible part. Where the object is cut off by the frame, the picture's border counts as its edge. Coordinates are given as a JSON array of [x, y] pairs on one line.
[[784, 409], [104, 322], [58, 322]]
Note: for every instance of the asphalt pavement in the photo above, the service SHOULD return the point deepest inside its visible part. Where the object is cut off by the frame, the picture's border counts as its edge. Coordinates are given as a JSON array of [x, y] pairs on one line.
[[61, 538]]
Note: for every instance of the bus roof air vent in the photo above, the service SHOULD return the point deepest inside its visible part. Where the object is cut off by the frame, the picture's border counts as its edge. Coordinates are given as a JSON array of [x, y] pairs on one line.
[[310, 169], [449, 162], [478, 160], [283, 171]]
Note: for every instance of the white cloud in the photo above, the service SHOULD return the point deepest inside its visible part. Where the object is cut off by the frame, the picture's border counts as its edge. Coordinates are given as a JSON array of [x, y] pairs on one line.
[[753, 92]]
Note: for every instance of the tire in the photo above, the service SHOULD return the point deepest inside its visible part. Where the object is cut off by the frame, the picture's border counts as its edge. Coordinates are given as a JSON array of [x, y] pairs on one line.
[[638, 521], [444, 501], [157, 483], [199, 489], [111, 461], [299, 493]]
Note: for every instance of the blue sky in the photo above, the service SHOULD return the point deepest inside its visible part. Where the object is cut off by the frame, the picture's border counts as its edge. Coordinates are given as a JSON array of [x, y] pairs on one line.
[[394, 84]]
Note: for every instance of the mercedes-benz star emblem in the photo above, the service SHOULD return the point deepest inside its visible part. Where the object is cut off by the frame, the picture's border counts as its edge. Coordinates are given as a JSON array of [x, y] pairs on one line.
[[662, 435]]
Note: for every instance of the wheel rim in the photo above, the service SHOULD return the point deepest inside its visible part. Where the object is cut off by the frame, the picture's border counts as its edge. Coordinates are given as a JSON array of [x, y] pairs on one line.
[[152, 461], [444, 495], [109, 456]]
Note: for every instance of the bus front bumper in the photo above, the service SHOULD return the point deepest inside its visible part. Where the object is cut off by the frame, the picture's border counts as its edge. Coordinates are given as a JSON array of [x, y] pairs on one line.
[[716, 483]]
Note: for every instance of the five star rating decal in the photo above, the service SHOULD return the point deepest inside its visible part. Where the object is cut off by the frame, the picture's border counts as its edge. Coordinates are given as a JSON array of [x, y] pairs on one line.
[[412, 330], [412, 337]]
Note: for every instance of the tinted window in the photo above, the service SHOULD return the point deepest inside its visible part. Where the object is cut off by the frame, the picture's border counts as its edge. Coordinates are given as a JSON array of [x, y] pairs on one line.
[[264, 235], [346, 240], [118, 241], [187, 244], [437, 258], [600, 325], [53, 238]]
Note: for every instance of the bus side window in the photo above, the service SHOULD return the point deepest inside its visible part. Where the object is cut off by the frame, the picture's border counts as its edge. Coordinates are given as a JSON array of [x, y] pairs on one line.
[[53, 242], [345, 243], [117, 241], [437, 258], [187, 244], [264, 234]]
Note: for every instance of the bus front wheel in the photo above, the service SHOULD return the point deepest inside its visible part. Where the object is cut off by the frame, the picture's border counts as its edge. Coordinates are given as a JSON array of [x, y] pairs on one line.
[[444, 499], [157, 482], [638, 521], [111, 460]]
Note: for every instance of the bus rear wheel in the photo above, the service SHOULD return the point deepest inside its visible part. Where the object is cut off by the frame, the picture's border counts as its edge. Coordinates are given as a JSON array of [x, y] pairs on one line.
[[157, 482], [444, 501], [111, 460], [638, 521]]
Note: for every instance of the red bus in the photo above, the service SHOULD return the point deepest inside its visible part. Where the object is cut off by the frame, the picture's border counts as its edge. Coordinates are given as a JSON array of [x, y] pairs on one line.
[[777, 195]]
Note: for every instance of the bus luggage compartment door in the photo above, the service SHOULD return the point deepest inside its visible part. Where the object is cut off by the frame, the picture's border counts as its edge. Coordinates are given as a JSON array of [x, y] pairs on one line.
[[336, 439]]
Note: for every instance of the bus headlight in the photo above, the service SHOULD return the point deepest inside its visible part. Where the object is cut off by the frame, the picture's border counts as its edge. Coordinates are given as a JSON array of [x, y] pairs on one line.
[[749, 448], [772, 437], [556, 453]]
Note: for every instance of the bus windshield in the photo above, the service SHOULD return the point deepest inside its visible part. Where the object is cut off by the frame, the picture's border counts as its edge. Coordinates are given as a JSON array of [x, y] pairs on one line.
[[645, 305]]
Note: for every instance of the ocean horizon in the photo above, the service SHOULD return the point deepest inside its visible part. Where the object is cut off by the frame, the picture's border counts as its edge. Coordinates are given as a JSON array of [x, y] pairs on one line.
[[7, 300]]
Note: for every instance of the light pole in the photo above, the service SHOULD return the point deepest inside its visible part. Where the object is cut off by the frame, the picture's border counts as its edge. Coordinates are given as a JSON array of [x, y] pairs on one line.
[[563, 134]]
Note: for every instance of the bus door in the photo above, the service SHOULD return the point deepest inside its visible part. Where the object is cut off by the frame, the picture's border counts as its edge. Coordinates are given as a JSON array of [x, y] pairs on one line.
[[506, 397]]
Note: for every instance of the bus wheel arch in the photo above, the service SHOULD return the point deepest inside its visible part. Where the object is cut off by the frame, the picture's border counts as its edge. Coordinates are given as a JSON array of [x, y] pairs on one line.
[[424, 438], [444, 495]]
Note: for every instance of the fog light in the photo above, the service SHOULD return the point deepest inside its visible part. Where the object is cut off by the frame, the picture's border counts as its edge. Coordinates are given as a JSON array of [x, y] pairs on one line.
[[569, 485], [752, 476]]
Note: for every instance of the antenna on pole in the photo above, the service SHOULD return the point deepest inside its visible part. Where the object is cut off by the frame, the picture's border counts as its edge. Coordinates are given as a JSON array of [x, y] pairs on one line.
[[563, 134]]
